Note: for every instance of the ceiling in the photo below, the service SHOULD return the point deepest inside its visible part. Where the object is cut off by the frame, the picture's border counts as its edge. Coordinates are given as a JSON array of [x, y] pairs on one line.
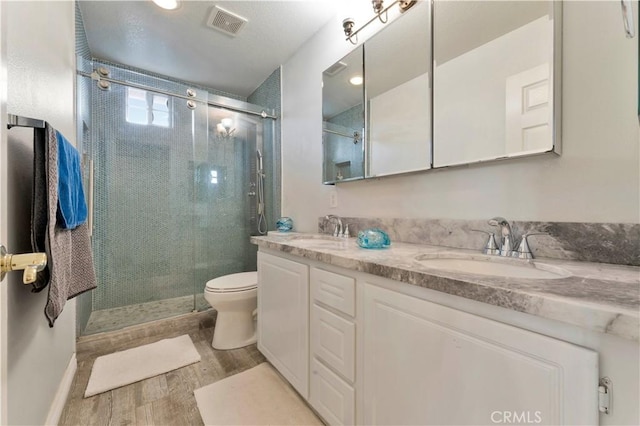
[[179, 44]]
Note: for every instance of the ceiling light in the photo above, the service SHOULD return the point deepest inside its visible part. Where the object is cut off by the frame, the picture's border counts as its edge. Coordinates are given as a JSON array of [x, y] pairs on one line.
[[356, 80], [167, 4]]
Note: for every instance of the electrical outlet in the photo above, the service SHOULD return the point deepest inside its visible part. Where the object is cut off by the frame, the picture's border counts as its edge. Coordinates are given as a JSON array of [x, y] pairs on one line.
[[333, 199]]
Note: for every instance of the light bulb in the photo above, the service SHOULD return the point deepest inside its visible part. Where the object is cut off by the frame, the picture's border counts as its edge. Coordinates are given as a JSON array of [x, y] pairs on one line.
[[167, 4], [356, 80], [227, 123]]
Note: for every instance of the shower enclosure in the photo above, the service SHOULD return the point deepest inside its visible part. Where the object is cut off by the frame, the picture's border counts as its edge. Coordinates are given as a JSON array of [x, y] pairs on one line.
[[172, 177]]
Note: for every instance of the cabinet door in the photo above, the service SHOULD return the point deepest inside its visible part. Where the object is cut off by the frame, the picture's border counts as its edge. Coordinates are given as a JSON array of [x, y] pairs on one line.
[[333, 339], [283, 317], [428, 364], [331, 396]]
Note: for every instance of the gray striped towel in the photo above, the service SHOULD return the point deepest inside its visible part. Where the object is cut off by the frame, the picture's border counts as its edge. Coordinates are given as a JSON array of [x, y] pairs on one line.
[[69, 269]]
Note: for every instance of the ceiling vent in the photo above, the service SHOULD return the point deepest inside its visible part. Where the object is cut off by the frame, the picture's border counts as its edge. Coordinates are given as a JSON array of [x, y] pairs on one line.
[[335, 69], [225, 21]]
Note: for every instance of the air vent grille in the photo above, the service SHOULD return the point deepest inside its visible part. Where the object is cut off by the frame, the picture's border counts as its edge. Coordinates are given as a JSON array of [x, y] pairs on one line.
[[225, 21], [335, 69]]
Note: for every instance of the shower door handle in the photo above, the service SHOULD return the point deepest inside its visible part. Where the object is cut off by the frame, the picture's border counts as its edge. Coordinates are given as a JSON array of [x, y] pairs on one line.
[[88, 161], [91, 199]]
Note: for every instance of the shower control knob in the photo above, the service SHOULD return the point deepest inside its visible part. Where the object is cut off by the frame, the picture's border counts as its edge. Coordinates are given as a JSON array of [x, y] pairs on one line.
[[252, 193]]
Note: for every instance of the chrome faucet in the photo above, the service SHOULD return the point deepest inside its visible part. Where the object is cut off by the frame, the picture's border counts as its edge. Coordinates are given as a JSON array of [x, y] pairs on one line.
[[506, 239], [337, 231]]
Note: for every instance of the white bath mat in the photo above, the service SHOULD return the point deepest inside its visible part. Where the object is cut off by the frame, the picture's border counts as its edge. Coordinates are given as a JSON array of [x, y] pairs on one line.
[[258, 396], [133, 365]]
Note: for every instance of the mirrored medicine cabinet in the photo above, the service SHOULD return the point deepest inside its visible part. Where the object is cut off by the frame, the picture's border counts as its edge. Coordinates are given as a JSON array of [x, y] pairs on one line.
[[343, 119], [495, 95], [485, 87]]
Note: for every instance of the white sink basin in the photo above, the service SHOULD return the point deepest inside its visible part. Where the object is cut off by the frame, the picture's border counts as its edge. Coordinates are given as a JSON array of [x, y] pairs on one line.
[[498, 267]]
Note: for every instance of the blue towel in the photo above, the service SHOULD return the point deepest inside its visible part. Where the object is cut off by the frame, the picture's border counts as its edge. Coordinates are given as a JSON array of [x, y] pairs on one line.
[[72, 207]]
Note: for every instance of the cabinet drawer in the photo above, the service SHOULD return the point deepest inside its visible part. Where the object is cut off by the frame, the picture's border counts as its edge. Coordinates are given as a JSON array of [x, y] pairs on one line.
[[333, 398], [333, 341], [335, 290]]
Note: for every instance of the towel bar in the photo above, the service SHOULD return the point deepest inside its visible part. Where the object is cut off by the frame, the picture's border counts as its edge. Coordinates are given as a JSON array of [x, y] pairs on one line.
[[31, 263], [18, 121]]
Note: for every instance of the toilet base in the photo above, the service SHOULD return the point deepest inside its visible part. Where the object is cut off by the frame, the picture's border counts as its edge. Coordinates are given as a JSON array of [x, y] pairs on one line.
[[234, 330]]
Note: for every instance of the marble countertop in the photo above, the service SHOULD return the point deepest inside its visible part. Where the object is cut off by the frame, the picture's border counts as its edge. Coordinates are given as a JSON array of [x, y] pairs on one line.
[[597, 296]]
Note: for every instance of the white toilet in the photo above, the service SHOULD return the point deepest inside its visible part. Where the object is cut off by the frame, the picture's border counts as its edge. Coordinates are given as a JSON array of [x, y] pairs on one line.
[[235, 297]]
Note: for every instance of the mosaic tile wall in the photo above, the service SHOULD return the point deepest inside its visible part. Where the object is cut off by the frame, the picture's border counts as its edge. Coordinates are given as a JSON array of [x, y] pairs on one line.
[[162, 228], [268, 94], [83, 120]]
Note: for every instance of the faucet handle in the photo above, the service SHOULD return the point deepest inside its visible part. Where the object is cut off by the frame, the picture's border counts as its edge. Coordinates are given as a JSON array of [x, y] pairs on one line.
[[524, 251], [492, 246]]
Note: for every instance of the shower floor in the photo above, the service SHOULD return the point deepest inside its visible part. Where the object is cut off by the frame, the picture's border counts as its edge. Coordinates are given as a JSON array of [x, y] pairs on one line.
[[125, 316]]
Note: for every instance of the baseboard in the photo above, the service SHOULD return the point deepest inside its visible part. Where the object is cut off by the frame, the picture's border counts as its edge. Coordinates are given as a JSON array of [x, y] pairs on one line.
[[59, 401]]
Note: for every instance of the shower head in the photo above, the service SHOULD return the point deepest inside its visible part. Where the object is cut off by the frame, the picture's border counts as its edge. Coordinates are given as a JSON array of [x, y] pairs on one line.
[[259, 154]]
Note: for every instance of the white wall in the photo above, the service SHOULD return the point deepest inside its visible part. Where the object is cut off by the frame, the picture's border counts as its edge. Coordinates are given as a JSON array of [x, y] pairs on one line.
[[41, 74], [595, 180]]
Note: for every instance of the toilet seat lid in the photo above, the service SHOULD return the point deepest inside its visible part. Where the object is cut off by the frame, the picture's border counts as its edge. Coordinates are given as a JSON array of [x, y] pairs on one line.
[[235, 282]]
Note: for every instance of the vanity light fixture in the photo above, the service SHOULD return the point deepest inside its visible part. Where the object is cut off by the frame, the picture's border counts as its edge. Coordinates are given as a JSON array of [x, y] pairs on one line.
[[379, 10], [347, 26], [378, 7], [167, 4]]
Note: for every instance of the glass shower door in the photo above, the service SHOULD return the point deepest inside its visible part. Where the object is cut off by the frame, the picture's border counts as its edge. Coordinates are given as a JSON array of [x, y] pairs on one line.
[[226, 196], [143, 149]]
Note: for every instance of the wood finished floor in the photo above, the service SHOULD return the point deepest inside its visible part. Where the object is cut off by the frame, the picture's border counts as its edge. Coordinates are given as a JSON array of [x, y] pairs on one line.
[[162, 400]]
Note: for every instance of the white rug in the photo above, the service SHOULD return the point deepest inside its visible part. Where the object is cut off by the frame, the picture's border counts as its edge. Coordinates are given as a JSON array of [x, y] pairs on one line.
[[258, 396], [133, 365]]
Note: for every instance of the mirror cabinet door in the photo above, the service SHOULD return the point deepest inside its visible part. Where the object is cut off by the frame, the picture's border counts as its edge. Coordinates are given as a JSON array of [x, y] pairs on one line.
[[494, 82], [343, 119], [397, 86]]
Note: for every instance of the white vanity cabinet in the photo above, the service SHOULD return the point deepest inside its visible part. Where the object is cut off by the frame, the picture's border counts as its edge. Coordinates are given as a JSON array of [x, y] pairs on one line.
[[333, 346], [283, 317], [432, 365], [363, 349]]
